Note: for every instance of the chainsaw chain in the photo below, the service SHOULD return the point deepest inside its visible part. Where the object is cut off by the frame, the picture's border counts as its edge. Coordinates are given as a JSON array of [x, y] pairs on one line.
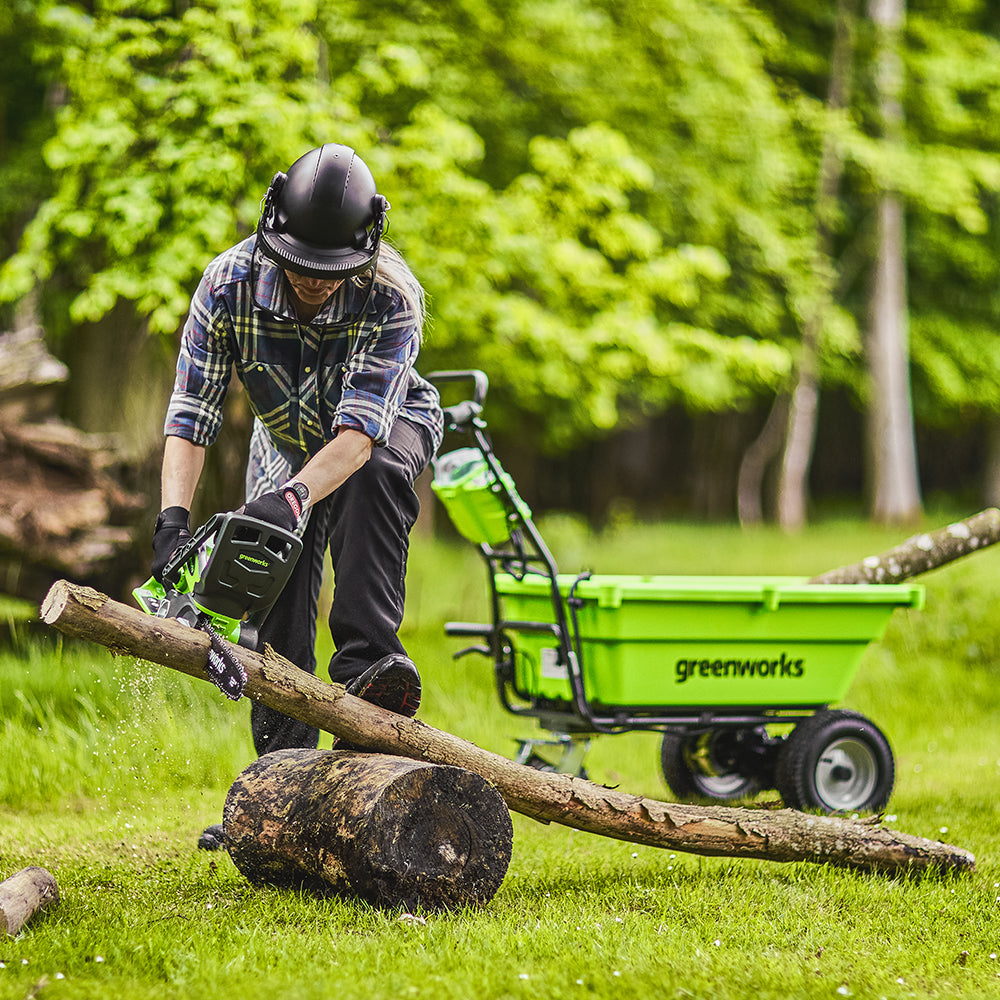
[[223, 669]]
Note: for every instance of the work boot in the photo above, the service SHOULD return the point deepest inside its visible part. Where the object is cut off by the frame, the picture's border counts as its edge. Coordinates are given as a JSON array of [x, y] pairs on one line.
[[213, 838], [391, 683]]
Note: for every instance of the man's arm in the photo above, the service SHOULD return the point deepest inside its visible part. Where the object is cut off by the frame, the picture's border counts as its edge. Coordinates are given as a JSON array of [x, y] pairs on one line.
[[335, 463], [182, 465]]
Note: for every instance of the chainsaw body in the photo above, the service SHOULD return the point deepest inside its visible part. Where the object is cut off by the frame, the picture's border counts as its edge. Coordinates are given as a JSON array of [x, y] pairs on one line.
[[229, 573]]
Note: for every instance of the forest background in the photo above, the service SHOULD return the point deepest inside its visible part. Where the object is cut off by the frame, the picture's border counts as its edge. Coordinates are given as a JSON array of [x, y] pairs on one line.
[[719, 258]]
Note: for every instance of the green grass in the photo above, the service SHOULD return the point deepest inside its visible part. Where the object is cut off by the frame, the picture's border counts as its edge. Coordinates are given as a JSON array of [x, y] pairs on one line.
[[110, 768]]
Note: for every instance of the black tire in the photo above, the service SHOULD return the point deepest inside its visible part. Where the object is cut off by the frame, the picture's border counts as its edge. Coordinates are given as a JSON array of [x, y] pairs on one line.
[[692, 771], [836, 761]]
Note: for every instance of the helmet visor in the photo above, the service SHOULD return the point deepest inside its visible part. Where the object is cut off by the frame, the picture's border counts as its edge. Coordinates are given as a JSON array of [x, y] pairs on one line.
[[296, 255]]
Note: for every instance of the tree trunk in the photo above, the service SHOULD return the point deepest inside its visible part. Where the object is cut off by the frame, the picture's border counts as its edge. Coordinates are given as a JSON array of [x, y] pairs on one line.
[[756, 459], [780, 835], [891, 444], [991, 464], [800, 439], [922, 553], [393, 832], [24, 894]]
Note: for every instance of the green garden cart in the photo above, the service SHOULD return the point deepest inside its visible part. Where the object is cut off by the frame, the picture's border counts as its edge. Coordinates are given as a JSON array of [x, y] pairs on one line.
[[738, 673]]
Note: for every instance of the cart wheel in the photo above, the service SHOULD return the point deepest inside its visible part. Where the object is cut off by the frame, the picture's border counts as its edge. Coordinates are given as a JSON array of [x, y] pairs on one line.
[[703, 767], [836, 761]]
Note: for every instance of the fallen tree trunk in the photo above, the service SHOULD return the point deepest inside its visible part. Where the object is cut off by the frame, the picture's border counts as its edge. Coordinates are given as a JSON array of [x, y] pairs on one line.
[[778, 835], [922, 552], [391, 831], [25, 893]]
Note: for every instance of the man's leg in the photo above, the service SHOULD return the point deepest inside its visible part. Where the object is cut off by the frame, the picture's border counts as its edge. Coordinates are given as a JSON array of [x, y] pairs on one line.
[[290, 628], [369, 529]]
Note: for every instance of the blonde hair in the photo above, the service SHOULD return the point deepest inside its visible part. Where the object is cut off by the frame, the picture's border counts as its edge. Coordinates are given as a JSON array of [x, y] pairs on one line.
[[394, 272]]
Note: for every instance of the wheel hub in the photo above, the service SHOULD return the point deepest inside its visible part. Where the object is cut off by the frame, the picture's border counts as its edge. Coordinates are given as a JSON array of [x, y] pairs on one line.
[[717, 762], [846, 774]]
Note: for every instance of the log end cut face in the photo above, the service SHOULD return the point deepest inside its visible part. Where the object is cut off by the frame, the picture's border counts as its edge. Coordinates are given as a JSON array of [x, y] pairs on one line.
[[392, 831], [441, 834]]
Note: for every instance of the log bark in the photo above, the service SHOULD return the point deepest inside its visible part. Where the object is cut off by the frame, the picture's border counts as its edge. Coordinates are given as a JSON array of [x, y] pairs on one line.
[[27, 892], [394, 832], [29, 376], [922, 552], [778, 835]]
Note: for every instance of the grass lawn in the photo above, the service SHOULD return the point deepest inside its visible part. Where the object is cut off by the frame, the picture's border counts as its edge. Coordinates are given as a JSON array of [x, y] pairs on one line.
[[110, 768]]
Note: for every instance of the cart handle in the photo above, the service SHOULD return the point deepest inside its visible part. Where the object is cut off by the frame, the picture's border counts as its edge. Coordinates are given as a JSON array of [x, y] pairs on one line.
[[479, 380], [461, 415]]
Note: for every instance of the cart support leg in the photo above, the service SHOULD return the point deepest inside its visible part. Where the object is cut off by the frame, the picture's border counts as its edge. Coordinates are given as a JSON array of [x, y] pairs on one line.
[[573, 749]]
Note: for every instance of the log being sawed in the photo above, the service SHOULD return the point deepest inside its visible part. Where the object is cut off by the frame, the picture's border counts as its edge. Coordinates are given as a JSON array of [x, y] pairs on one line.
[[773, 835]]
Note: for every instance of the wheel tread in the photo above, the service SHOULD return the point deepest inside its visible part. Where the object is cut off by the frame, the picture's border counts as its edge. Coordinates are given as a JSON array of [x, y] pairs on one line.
[[795, 772]]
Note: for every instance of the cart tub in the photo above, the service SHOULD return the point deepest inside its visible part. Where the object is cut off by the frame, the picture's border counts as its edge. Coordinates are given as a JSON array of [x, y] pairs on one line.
[[691, 641]]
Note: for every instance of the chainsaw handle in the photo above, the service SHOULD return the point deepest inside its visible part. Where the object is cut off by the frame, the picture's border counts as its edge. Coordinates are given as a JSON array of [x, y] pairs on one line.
[[172, 570]]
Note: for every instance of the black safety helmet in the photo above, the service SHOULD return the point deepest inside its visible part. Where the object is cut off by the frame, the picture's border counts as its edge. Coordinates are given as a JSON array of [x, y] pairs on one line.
[[324, 218]]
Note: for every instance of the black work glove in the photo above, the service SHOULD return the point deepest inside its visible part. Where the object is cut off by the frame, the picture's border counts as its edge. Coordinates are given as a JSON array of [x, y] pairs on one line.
[[282, 507], [173, 529]]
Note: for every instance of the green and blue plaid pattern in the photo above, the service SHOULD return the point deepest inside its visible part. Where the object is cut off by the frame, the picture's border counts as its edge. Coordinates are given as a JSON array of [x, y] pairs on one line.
[[304, 381]]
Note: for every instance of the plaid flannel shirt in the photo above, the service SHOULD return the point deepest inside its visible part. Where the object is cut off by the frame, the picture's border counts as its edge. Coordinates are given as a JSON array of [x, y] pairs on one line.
[[304, 381]]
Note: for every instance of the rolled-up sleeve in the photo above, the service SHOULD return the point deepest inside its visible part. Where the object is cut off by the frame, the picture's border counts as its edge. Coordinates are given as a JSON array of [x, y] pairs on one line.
[[204, 366], [377, 376]]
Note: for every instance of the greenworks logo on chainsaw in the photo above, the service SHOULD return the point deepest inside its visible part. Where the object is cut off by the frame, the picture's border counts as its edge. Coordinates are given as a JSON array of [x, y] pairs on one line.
[[782, 667], [243, 557]]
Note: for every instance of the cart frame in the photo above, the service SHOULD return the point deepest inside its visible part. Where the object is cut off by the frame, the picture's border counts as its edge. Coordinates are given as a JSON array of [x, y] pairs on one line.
[[528, 553]]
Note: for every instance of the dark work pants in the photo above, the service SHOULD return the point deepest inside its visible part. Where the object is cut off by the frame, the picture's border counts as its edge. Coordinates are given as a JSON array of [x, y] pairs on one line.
[[366, 525]]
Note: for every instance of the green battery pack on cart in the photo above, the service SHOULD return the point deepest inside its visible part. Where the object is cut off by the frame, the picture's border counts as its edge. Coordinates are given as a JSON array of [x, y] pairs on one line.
[[482, 510], [694, 641]]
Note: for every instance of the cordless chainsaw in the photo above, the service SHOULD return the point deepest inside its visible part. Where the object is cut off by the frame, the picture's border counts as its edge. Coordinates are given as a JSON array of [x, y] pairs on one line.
[[225, 578]]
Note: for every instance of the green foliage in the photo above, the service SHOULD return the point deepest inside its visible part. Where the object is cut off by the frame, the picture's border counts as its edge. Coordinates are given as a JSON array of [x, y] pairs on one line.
[[558, 279], [611, 203], [630, 236], [955, 303], [24, 125], [170, 130], [569, 296]]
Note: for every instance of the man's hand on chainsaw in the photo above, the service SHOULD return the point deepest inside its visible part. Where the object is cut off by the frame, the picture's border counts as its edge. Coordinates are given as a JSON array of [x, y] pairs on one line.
[[282, 507], [173, 529]]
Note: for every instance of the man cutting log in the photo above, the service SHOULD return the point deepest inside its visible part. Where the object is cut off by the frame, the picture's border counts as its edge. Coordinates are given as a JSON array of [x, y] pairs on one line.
[[321, 319]]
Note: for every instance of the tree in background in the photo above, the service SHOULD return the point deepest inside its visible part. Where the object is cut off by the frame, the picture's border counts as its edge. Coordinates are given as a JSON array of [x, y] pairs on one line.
[[798, 409], [953, 224], [612, 203], [655, 270], [25, 124], [550, 277], [937, 166]]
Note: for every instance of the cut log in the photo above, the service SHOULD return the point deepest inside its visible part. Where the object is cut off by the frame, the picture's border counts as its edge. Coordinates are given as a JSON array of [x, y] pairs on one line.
[[27, 892], [394, 832], [778, 835], [64, 507], [922, 552]]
